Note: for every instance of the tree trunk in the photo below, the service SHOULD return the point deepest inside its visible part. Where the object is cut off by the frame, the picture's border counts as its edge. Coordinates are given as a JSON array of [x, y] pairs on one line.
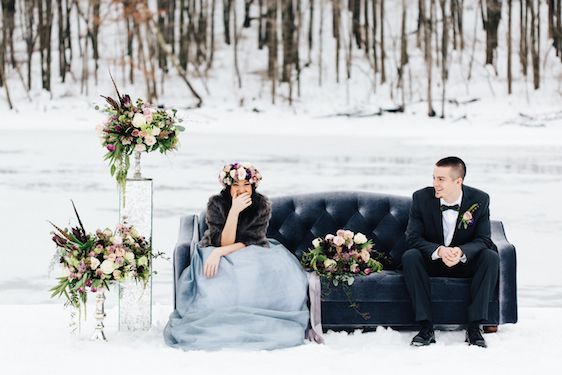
[[534, 42], [444, 52], [336, 11], [523, 50], [94, 31], [428, 30], [383, 52], [403, 53], [212, 37], [247, 19], [45, 15], [356, 21], [272, 45], [374, 28], [235, 34], [8, 27], [288, 33], [226, 20], [509, 38], [491, 22]]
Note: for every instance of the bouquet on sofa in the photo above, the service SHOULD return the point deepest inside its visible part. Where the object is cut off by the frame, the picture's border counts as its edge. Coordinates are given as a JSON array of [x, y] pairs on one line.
[[135, 127], [342, 257], [94, 261]]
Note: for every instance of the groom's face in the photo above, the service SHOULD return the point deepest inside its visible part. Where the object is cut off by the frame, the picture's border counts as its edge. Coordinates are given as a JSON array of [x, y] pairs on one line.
[[446, 183]]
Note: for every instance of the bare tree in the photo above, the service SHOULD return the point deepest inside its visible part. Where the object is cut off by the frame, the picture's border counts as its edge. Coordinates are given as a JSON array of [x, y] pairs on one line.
[[509, 38], [491, 20], [383, 52]]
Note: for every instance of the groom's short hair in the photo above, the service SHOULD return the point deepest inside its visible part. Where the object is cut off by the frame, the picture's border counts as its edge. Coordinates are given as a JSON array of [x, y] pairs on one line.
[[455, 163]]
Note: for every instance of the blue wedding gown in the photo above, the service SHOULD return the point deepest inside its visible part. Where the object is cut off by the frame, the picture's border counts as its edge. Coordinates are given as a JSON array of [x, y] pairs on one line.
[[257, 300]]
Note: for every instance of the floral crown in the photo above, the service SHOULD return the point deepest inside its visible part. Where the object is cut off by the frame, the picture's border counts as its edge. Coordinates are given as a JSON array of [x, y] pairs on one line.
[[239, 172]]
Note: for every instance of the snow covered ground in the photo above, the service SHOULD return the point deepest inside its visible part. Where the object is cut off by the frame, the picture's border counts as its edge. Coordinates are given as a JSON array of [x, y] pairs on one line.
[[42, 167]]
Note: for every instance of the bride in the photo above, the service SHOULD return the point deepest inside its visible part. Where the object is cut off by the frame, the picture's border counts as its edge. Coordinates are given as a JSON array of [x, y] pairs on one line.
[[241, 289]]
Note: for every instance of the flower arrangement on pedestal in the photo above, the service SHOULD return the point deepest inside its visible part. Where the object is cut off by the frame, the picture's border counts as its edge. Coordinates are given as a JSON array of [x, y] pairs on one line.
[[135, 128], [94, 261]]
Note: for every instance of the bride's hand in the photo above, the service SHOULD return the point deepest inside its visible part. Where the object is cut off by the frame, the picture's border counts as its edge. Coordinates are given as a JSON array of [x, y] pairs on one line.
[[241, 202], [211, 265]]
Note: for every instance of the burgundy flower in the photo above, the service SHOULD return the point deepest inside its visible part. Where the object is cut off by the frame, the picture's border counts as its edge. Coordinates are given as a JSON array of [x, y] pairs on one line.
[[118, 128], [111, 147]]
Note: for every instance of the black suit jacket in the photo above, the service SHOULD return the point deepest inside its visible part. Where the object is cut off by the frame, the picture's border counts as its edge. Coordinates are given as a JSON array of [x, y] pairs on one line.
[[425, 225]]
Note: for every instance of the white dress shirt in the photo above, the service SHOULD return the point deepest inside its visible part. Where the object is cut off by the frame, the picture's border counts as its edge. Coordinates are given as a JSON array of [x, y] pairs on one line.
[[449, 220]]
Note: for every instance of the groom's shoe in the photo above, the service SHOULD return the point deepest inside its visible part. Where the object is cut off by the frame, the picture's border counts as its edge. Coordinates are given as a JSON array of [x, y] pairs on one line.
[[474, 335], [425, 336]]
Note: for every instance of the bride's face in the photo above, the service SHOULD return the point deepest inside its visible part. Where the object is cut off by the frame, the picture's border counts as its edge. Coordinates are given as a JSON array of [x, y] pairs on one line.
[[240, 187]]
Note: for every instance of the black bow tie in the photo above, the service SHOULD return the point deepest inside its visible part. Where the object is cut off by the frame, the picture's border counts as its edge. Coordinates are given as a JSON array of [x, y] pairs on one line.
[[444, 207]]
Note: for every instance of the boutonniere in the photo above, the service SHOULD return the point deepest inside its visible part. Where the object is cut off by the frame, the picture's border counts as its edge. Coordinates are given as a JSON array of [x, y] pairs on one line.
[[467, 219]]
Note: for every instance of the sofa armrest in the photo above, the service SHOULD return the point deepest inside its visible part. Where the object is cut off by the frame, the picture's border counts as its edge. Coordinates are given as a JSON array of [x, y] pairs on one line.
[[507, 275], [187, 239]]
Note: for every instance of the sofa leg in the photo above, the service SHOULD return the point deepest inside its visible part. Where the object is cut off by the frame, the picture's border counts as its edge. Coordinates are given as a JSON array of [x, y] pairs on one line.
[[490, 329]]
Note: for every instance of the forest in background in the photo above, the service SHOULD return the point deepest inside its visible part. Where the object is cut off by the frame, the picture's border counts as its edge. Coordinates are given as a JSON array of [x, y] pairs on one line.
[[46, 42]]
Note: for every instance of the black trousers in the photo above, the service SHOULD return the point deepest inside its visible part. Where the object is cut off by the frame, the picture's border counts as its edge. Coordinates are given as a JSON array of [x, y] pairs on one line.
[[483, 270]]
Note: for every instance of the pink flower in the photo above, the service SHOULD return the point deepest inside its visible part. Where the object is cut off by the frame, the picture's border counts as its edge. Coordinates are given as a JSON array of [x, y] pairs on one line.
[[365, 255], [467, 216], [135, 133], [111, 147], [367, 271], [340, 233], [338, 241], [147, 112], [94, 289], [329, 237]]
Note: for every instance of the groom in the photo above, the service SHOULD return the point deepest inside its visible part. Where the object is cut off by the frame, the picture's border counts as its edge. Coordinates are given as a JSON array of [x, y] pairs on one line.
[[448, 235]]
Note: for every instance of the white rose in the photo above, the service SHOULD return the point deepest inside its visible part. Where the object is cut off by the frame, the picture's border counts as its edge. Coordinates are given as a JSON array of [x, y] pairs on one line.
[[330, 264], [140, 147], [116, 240], [150, 140], [107, 266], [348, 235], [112, 257], [233, 173], [359, 238], [94, 263], [129, 256], [241, 173], [316, 242], [222, 175], [107, 232], [139, 120], [155, 131]]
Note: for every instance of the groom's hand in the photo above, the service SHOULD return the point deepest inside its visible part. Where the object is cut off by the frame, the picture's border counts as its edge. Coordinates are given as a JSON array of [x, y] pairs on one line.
[[450, 256]]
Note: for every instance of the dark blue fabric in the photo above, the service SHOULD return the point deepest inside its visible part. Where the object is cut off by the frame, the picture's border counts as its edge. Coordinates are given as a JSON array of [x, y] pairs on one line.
[[298, 219]]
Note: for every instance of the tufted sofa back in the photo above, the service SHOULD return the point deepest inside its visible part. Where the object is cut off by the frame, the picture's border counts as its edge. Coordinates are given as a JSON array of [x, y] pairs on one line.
[[296, 220]]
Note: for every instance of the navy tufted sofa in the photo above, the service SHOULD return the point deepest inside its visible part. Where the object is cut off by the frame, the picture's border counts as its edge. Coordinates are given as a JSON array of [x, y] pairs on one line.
[[298, 219]]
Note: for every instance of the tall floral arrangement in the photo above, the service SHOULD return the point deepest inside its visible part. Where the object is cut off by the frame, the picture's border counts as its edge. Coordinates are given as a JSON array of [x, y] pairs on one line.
[[135, 127]]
